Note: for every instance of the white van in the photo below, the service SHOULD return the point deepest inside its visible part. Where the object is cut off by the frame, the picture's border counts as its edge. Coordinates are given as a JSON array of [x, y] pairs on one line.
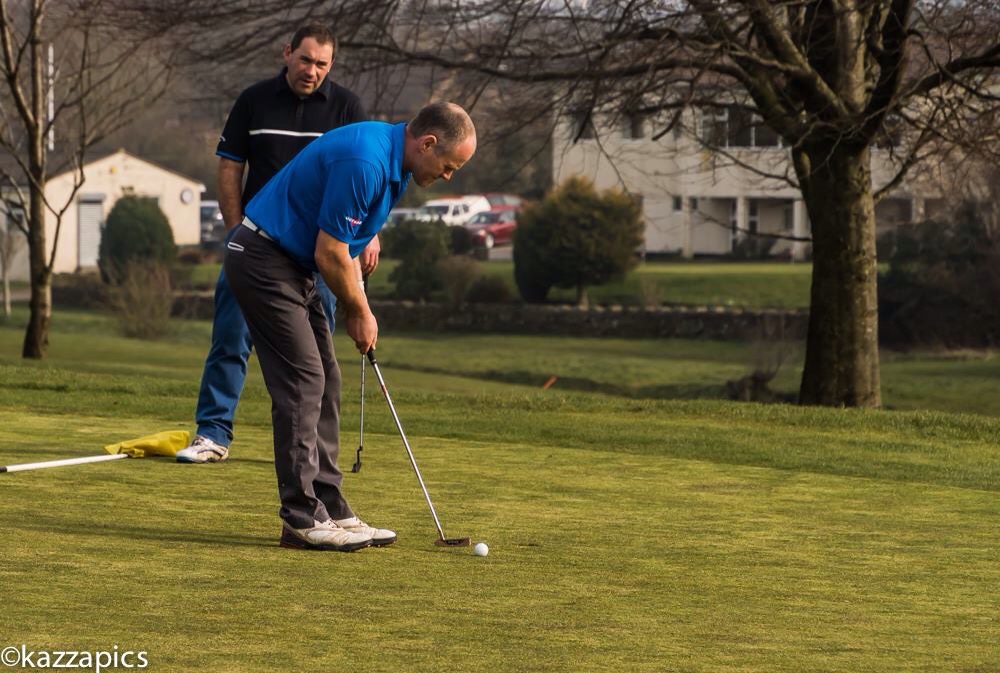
[[453, 211]]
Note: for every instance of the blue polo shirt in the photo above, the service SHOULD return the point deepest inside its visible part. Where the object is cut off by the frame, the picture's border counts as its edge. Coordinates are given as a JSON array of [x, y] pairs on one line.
[[345, 183]]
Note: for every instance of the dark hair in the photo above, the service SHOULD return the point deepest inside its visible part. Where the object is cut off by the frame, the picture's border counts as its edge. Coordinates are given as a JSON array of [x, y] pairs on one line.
[[449, 122], [316, 31]]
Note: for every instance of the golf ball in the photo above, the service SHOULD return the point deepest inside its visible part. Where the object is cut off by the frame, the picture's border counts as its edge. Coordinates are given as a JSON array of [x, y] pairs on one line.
[[481, 549]]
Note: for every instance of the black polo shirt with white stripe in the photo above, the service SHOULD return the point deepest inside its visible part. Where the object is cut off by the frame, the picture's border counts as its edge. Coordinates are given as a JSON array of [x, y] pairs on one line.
[[269, 124]]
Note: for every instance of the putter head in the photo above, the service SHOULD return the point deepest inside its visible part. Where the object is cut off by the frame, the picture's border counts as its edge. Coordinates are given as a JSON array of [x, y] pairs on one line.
[[453, 542]]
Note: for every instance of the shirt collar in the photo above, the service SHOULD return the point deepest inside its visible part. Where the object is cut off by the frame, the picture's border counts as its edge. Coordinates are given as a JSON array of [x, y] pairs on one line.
[[324, 90], [396, 155]]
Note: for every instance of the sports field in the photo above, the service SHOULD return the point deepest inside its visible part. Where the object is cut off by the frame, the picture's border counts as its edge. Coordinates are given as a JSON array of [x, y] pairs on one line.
[[630, 529]]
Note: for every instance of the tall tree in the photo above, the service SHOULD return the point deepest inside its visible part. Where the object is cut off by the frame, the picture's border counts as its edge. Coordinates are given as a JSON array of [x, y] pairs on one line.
[[832, 77], [70, 75]]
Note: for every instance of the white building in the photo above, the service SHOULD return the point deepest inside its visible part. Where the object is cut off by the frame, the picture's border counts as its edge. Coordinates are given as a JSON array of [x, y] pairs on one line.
[[699, 202], [107, 179]]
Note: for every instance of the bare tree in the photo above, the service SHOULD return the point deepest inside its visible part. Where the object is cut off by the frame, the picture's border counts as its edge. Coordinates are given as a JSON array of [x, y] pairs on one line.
[[70, 75], [832, 77]]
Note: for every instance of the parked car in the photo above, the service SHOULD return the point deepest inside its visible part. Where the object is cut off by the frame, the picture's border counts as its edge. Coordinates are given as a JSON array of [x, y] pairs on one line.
[[213, 229], [499, 199], [397, 215], [453, 210], [493, 227]]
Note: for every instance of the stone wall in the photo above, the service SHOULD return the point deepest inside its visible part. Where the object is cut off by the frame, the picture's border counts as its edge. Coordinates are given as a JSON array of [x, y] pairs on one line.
[[613, 321]]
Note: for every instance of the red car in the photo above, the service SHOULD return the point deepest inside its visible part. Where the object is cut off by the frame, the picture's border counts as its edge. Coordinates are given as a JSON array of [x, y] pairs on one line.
[[493, 227]]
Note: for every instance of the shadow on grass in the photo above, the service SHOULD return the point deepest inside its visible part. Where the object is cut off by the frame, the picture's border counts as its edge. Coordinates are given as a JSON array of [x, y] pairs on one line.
[[669, 391], [123, 532]]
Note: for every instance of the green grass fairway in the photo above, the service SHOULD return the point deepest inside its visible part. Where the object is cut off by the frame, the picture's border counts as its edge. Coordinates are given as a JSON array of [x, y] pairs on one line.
[[627, 532]]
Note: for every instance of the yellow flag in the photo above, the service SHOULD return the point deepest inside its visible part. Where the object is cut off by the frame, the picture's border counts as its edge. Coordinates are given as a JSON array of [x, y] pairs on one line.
[[166, 443]]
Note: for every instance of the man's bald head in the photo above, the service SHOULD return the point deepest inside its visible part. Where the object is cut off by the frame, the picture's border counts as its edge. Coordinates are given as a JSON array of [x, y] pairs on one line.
[[439, 140]]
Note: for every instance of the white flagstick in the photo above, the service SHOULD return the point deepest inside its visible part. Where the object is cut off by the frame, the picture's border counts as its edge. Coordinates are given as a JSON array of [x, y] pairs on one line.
[[65, 461]]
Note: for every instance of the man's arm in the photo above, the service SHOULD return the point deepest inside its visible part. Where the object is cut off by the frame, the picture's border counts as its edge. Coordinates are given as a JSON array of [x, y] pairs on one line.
[[230, 188], [341, 274], [369, 256]]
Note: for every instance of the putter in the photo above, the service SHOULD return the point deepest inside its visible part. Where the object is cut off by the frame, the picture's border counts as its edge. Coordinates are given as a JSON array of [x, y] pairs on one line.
[[361, 432], [442, 541]]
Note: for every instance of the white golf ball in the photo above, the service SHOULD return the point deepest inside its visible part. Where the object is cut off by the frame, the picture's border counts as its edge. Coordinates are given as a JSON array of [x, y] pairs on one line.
[[481, 549]]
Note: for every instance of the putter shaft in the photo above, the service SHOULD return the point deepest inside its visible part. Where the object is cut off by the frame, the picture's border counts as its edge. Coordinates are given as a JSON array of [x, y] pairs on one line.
[[406, 444], [361, 432]]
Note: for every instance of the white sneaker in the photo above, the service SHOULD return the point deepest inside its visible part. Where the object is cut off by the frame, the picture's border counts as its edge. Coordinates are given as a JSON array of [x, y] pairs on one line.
[[203, 450], [324, 536], [380, 537]]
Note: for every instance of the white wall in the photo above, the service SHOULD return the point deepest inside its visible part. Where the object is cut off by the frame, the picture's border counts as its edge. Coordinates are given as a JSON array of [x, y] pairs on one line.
[[113, 177], [676, 165]]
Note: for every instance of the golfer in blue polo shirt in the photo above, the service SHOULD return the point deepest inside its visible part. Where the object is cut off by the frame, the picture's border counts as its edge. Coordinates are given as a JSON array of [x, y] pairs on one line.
[[317, 214]]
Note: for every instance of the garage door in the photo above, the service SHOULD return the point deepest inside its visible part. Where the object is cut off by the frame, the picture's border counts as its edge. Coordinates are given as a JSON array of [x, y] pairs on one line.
[[91, 214]]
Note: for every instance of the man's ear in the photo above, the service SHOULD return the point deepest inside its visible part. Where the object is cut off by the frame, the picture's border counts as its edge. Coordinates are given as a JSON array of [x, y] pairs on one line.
[[428, 142], [287, 51]]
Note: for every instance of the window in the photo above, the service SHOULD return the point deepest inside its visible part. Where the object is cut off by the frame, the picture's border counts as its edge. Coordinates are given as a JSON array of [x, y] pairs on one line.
[[693, 203], [765, 136], [15, 216], [788, 216], [714, 127], [583, 126], [891, 133], [739, 132], [635, 126], [678, 203], [753, 217], [735, 126]]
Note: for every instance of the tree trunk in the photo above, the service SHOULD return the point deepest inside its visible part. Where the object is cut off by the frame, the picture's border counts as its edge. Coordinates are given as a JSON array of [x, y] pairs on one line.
[[582, 300], [842, 366], [36, 336]]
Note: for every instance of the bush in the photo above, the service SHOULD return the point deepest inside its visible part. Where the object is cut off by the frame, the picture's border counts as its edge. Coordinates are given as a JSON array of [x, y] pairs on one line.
[[461, 241], [457, 274], [137, 232], [942, 283], [533, 278], [574, 238], [79, 290], [142, 300], [419, 246], [752, 247], [193, 256], [488, 290]]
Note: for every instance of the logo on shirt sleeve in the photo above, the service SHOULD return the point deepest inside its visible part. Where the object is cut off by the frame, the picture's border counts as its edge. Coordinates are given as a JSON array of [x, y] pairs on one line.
[[353, 221]]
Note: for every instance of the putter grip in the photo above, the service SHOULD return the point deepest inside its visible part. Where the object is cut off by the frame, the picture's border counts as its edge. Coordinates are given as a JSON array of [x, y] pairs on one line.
[[371, 356]]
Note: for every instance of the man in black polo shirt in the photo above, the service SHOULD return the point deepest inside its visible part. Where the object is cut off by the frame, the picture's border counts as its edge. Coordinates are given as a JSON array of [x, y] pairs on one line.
[[269, 124]]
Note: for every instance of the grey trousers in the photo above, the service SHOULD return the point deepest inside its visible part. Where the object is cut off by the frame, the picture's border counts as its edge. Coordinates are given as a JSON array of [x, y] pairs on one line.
[[289, 330]]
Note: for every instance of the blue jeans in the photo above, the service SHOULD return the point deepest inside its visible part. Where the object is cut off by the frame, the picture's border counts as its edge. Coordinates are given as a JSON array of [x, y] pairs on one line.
[[226, 363]]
